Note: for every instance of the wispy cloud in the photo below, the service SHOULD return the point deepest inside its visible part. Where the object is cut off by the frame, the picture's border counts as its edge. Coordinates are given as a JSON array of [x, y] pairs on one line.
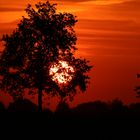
[[10, 9], [72, 0]]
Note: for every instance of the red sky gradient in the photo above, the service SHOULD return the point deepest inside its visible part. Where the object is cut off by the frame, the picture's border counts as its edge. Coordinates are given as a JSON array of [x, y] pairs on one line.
[[108, 34]]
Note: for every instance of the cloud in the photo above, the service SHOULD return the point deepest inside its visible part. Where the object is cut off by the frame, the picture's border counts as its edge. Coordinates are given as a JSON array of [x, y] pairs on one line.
[[108, 37], [131, 6], [109, 25], [73, 0], [124, 10], [10, 9]]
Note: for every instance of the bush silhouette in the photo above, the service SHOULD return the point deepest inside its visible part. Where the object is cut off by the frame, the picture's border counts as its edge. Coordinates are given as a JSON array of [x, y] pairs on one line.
[[22, 106], [63, 110], [2, 107]]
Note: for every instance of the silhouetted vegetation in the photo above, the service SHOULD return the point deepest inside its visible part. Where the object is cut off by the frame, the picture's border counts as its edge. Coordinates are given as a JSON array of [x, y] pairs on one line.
[[137, 89], [95, 119], [43, 38], [2, 107], [22, 106], [92, 110]]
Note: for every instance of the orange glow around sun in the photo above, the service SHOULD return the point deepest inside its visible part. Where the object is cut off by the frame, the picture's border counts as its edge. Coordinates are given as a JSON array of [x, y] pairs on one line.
[[61, 72]]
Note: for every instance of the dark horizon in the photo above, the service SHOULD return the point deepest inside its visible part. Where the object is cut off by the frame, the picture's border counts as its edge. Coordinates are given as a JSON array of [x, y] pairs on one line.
[[89, 111]]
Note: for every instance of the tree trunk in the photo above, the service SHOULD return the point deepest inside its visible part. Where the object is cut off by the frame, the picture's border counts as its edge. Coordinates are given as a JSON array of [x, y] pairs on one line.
[[40, 100]]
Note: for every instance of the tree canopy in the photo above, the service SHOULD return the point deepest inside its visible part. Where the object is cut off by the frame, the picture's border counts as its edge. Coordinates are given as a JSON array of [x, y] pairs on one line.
[[41, 39]]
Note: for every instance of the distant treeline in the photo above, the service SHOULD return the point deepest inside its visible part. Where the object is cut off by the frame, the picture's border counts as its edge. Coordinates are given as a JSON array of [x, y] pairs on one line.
[[96, 109]]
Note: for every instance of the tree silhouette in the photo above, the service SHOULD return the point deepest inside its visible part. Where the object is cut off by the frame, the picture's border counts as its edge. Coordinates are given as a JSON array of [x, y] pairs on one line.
[[137, 88], [41, 40]]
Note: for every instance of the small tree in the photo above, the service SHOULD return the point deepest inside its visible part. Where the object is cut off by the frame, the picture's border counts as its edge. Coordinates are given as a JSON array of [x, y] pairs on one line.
[[137, 89], [41, 40]]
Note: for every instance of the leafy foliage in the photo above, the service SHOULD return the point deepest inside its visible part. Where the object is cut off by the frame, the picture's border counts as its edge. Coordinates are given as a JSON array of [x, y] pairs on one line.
[[42, 38]]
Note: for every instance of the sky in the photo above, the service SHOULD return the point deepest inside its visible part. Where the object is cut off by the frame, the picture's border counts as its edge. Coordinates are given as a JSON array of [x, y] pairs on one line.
[[108, 34]]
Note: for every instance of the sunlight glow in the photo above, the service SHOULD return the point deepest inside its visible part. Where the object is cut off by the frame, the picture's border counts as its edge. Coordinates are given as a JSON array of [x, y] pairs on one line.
[[61, 73]]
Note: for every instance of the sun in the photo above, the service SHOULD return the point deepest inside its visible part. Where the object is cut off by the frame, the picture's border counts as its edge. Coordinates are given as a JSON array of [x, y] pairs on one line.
[[61, 72]]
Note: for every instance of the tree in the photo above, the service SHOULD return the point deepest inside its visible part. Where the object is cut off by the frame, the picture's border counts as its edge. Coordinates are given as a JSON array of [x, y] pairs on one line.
[[137, 88], [41, 40]]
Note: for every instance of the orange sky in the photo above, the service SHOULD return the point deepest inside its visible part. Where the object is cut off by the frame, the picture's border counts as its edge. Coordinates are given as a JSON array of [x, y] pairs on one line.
[[108, 34]]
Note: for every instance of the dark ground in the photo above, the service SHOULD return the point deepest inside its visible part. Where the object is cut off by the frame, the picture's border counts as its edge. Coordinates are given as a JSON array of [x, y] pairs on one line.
[[94, 120]]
